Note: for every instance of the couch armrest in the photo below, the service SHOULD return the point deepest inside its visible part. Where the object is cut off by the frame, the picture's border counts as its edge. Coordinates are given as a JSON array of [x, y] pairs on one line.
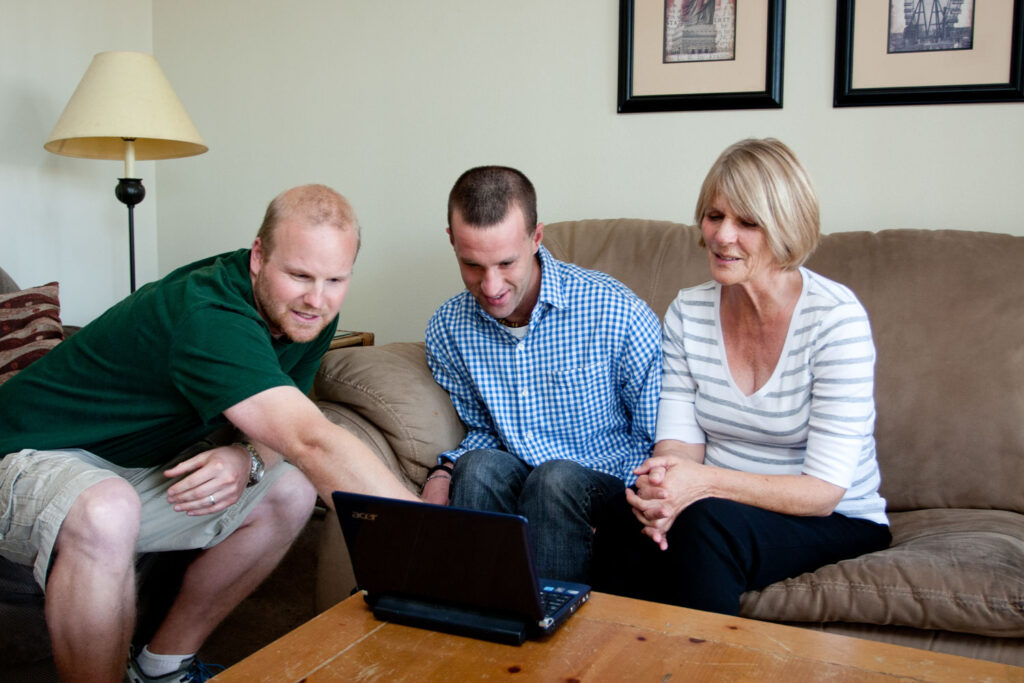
[[367, 432], [391, 387]]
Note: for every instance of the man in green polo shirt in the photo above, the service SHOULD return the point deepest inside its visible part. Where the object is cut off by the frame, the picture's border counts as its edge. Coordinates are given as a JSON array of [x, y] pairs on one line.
[[105, 453]]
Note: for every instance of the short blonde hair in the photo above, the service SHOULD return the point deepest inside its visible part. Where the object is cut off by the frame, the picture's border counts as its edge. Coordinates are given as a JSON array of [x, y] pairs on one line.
[[764, 182]]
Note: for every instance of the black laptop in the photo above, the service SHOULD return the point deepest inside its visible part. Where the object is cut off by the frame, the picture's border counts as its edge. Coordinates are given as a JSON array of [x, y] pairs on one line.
[[450, 569]]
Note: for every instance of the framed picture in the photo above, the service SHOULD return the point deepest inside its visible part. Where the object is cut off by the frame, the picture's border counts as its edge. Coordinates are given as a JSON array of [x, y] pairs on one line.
[[928, 52], [677, 55]]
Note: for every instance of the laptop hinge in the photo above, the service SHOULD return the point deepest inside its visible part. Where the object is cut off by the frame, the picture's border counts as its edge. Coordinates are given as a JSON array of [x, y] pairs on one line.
[[449, 618]]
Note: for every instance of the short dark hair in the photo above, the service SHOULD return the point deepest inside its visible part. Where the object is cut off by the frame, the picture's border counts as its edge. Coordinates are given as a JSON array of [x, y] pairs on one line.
[[484, 195]]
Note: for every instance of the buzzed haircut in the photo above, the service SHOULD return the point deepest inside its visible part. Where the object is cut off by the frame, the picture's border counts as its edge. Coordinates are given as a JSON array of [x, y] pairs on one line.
[[484, 195], [314, 205]]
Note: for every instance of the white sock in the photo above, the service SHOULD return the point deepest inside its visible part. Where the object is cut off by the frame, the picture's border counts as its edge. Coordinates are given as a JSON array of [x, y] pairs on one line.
[[160, 665]]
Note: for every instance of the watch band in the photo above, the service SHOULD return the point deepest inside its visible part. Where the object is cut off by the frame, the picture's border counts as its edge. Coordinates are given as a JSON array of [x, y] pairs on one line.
[[256, 466]]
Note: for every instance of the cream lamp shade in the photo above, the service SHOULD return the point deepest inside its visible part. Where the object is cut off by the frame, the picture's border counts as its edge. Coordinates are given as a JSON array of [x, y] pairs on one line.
[[124, 108]]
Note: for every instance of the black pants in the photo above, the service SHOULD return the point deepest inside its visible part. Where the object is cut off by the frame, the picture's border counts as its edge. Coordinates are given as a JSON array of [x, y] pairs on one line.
[[718, 549]]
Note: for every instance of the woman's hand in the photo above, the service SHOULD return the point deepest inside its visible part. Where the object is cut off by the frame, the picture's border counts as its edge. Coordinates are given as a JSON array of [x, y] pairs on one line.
[[666, 485], [674, 478]]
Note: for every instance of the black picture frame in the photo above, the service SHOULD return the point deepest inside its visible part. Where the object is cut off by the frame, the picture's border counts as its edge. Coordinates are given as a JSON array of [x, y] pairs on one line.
[[845, 95], [768, 98]]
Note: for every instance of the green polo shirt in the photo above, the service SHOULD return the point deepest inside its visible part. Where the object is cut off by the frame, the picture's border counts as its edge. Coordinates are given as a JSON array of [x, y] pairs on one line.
[[155, 373]]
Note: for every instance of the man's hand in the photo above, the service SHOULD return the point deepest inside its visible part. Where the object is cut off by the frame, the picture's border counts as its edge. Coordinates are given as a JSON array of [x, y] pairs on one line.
[[213, 480], [437, 488]]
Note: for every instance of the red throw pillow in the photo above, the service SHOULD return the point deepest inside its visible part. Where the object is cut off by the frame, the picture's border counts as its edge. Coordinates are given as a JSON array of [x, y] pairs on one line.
[[29, 327]]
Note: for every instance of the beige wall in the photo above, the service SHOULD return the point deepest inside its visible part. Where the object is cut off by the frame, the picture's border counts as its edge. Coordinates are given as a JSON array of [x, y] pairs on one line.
[[390, 101], [59, 219]]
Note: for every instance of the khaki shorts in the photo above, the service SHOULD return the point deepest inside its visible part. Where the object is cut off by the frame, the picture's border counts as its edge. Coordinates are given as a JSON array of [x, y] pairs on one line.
[[38, 488]]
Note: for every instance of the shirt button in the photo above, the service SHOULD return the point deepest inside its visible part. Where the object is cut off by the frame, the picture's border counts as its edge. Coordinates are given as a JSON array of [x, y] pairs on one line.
[[523, 393], [529, 435]]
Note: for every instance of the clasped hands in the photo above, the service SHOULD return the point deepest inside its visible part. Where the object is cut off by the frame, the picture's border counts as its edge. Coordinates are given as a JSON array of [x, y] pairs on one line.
[[665, 486], [213, 480]]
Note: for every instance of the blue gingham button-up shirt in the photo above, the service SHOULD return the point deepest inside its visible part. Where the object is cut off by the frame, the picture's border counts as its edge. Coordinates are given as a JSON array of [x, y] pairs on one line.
[[582, 384]]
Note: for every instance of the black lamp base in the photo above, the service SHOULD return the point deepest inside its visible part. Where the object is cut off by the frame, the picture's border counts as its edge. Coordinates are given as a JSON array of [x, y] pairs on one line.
[[130, 192]]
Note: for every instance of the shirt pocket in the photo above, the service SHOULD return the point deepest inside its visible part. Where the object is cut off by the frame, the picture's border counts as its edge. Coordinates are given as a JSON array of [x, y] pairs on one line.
[[580, 397]]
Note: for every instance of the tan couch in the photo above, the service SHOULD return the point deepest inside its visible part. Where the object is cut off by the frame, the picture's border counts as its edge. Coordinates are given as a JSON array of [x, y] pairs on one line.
[[947, 310]]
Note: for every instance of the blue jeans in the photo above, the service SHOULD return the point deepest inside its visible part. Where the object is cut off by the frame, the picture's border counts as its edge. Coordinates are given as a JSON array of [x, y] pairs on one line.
[[559, 498]]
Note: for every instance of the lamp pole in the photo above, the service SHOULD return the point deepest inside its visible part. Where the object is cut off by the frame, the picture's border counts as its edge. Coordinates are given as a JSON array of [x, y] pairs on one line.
[[130, 192]]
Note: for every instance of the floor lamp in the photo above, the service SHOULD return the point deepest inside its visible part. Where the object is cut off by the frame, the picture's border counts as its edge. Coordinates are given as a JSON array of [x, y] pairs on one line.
[[124, 108]]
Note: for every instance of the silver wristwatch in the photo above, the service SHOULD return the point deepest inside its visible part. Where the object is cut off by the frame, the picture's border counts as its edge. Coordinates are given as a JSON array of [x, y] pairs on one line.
[[256, 467]]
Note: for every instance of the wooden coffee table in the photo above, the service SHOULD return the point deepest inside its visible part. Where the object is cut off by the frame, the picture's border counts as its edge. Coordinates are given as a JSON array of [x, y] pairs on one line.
[[609, 639]]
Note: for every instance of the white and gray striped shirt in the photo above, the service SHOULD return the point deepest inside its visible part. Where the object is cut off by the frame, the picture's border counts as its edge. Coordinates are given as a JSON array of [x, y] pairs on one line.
[[816, 413]]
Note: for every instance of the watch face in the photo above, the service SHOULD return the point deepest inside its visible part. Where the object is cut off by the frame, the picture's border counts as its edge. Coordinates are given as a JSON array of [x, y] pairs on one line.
[[256, 468]]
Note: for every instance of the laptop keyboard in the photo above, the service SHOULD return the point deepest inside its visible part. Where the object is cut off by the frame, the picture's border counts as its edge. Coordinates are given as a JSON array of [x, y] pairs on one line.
[[555, 597]]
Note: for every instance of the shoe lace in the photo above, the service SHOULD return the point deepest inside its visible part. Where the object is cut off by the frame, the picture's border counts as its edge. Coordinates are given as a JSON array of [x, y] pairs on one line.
[[199, 672]]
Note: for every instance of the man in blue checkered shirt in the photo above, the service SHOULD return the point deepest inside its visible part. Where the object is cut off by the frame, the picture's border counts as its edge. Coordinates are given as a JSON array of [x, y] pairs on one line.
[[555, 370]]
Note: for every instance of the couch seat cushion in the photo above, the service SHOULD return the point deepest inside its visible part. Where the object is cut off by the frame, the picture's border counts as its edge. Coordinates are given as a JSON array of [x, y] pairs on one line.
[[951, 569]]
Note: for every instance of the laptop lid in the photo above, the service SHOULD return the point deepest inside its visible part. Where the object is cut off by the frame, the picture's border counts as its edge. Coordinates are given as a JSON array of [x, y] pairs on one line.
[[440, 566]]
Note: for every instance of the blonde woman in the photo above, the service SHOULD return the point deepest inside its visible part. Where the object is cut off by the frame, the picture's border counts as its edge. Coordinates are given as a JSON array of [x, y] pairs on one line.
[[764, 464]]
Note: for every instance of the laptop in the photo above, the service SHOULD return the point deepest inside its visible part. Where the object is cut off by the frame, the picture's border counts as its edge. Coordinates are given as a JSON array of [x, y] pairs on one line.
[[451, 569]]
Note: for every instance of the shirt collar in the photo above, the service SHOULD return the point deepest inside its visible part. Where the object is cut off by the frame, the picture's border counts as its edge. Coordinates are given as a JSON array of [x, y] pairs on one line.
[[552, 290]]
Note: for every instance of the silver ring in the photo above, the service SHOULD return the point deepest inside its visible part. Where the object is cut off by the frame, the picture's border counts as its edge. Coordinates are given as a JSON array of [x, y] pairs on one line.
[[212, 501]]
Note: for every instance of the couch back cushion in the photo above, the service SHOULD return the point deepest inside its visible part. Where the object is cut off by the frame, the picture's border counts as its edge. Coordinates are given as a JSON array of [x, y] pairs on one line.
[[7, 283], [376, 383], [947, 313], [653, 258]]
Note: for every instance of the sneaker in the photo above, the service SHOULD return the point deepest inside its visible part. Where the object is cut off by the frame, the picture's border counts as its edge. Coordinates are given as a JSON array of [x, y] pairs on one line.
[[194, 671]]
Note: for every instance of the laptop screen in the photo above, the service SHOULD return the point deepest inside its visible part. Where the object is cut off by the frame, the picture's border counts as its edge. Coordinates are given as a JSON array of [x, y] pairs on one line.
[[480, 560]]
